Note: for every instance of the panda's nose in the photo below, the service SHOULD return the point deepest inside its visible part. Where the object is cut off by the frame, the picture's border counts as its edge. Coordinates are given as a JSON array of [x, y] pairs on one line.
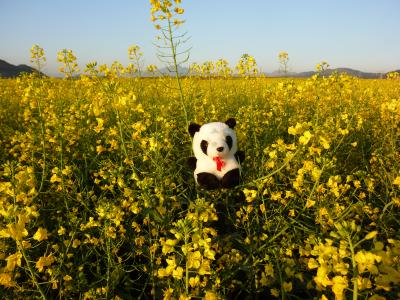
[[220, 149]]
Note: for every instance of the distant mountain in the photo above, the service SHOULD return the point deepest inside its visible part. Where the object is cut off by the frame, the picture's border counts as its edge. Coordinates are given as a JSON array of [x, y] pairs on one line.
[[171, 71], [328, 72], [8, 70]]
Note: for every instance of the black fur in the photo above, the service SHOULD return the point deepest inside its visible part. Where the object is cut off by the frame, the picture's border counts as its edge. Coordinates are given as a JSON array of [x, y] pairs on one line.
[[240, 156], [193, 128], [230, 179], [229, 142], [208, 181], [203, 146], [231, 122], [192, 162]]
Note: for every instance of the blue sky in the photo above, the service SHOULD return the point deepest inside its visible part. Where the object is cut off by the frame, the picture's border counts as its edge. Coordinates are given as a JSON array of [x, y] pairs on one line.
[[360, 34]]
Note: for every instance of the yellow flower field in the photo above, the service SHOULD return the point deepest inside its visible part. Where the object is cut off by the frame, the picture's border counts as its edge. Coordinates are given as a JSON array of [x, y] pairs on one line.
[[96, 201]]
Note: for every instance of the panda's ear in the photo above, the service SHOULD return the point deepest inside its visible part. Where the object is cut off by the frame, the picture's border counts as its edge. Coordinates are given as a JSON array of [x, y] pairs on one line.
[[231, 122], [193, 128]]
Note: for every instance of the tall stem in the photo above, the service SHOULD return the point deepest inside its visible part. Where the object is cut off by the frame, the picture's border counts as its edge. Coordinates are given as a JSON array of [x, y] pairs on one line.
[[178, 79], [355, 271]]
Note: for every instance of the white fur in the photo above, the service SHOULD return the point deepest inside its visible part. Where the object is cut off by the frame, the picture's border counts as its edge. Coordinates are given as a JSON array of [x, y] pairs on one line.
[[215, 134]]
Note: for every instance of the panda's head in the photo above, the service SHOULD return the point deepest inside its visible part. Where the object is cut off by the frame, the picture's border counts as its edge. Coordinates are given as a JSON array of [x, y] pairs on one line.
[[215, 139]]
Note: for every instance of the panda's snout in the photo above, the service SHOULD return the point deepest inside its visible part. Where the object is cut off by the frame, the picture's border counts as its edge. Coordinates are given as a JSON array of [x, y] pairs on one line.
[[220, 149]]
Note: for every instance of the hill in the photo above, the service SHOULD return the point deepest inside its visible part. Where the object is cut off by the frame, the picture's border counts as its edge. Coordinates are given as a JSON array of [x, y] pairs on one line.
[[328, 72], [8, 70]]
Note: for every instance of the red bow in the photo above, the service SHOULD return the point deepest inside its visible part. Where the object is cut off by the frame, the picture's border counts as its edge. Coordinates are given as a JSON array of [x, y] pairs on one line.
[[220, 162]]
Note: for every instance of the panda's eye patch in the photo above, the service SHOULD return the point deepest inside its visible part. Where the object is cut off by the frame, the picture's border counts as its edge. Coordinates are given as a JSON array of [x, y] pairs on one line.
[[203, 146], [229, 141]]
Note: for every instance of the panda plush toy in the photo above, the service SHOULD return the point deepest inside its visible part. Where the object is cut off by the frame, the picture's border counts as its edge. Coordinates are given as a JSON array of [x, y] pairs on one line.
[[217, 160]]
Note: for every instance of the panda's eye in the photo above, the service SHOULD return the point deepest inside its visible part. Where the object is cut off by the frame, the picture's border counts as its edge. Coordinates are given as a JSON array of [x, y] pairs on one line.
[[229, 141], [203, 146]]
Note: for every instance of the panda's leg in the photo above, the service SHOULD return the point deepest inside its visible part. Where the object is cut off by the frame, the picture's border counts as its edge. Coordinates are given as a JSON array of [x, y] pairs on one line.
[[231, 178], [207, 180]]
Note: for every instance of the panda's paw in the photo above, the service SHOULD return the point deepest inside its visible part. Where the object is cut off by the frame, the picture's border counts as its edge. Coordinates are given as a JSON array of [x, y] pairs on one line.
[[239, 155], [191, 162], [208, 181], [231, 179]]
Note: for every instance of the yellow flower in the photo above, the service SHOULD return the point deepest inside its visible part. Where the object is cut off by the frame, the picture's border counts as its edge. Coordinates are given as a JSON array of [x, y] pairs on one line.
[[179, 10], [324, 142], [344, 131], [312, 263], [274, 292], [168, 246], [6, 280], [366, 261], [210, 295], [178, 22], [292, 130], [67, 278], [55, 178], [61, 231], [100, 149], [283, 55], [100, 125], [40, 235], [339, 285], [13, 260], [397, 181], [178, 273], [16, 231], [44, 261], [310, 203], [162, 272], [287, 286], [250, 195], [269, 270], [205, 267], [194, 281], [76, 243], [208, 253], [168, 293], [322, 278], [305, 138], [194, 259], [371, 235]]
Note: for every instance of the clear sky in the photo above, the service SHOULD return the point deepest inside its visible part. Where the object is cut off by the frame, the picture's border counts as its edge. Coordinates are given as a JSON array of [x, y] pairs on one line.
[[360, 34]]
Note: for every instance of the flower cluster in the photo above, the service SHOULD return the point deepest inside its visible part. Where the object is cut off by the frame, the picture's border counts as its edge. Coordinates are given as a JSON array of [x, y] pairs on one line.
[[96, 201]]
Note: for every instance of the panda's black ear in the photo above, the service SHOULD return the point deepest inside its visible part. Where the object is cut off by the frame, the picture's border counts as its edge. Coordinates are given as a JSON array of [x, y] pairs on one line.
[[231, 122], [193, 128]]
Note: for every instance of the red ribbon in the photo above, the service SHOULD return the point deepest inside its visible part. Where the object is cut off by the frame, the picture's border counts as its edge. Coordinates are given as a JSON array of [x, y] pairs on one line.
[[220, 162]]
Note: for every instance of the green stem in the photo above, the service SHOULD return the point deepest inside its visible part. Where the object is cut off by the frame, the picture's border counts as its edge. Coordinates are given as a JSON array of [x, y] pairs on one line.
[[177, 77], [283, 294], [186, 270], [43, 146], [32, 273], [108, 264], [355, 271]]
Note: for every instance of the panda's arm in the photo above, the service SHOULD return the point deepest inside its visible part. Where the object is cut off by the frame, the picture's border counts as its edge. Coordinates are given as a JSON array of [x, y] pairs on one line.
[[191, 162], [239, 155]]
